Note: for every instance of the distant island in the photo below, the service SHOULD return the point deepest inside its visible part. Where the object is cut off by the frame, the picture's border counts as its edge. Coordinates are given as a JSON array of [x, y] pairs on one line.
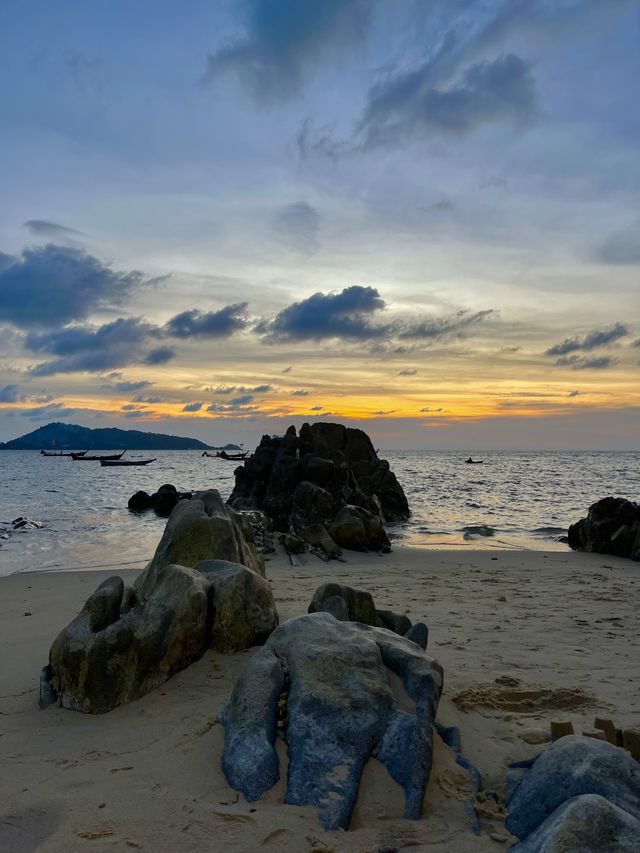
[[73, 437]]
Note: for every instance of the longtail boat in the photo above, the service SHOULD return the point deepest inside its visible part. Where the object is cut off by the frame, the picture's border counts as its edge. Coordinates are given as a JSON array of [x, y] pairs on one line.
[[117, 462], [61, 453], [79, 457], [222, 454]]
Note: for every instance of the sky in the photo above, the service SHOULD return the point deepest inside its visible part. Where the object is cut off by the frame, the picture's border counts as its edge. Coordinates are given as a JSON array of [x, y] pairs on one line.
[[419, 217]]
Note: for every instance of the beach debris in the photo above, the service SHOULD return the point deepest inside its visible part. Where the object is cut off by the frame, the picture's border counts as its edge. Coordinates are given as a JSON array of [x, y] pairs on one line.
[[612, 526], [560, 729], [330, 476], [340, 710], [580, 794], [23, 523], [358, 605], [162, 501]]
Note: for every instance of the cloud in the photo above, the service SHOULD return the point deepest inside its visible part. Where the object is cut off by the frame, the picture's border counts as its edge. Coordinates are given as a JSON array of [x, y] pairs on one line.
[[297, 225], [573, 393], [434, 328], [130, 387], [53, 410], [96, 348], [210, 324], [317, 408], [286, 370], [300, 393], [429, 409], [622, 247], [192, 407], [411, 104], [240, 389], [10, 394], [284, 41], [596, 338], [323, 316], [243, 400], [53, 285], [636, 343], [576, 362], [160, 355], [44, 228], [407, 372]]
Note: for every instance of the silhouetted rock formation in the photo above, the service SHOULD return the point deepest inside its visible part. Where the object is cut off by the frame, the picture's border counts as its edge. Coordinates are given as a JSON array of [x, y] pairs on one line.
[[612, 526], [162, 501], [328, 476], [340, 710]]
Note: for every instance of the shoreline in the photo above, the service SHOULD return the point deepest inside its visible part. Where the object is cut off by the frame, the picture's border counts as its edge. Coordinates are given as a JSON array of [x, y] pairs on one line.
[[150, 772]]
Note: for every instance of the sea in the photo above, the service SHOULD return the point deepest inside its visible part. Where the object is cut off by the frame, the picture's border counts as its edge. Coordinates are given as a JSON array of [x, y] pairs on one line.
[[522, 500]]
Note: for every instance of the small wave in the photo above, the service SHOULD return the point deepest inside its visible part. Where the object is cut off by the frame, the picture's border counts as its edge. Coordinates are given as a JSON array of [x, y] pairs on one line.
[[479, 530]]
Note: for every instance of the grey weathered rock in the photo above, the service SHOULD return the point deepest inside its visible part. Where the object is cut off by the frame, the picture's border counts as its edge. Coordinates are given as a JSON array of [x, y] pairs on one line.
[[340, 711], [292, 544], [584, 824], [108, 656], [311, 505], [612, 526], [418, 633], [124, 643], [358, 530], [396, 622], [336, 606], [572, 766], [360, 606], [202, 528], [244, 612]]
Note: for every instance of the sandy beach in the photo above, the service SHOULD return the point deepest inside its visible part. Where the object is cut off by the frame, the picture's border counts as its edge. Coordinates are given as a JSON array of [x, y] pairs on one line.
[[147, 776]]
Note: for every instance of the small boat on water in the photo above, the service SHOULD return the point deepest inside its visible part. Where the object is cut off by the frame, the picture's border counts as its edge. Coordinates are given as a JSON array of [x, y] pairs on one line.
[[471, 461], [110, 463], [81, 457], [222, 454], [62, 453]]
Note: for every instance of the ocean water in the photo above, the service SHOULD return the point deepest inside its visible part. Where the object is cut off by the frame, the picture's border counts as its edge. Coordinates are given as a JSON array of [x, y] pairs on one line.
[[512, 500]]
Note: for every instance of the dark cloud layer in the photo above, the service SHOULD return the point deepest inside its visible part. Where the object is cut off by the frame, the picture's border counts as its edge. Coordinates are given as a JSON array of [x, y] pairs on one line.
[[344, 315], [411, 104], [52, 285], [596, 338], [576, 362], [91, 348], [210, 324], [285, 40]]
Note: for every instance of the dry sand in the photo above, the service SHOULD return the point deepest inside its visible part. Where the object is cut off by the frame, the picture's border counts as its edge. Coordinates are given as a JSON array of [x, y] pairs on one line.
[[559, 631]]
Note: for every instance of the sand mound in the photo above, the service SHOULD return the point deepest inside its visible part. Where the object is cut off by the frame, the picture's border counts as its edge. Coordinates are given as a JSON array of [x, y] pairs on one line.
[[508, 694]]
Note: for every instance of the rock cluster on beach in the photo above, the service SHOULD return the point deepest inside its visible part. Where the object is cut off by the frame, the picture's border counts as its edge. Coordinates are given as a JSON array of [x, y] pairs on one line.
[[340, 710], [204, 588], [161, 502], [581, 794], [326, 485], [612, 526]]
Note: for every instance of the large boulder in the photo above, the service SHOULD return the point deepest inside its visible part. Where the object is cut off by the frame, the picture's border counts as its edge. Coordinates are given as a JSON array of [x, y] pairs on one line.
[[127, 641], [358, 530], [359, 602], [572, 766], [244, 612], [612, 526], [302, 480], [202, 528], [112, 652], [340, 710], [587, 823]]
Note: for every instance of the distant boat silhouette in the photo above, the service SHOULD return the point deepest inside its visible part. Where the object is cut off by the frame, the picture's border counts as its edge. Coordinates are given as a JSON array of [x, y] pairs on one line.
[[471, 461]]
